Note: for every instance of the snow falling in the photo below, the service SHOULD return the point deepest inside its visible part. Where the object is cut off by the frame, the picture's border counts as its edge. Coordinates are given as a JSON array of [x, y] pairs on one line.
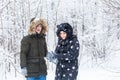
[[95, 22]]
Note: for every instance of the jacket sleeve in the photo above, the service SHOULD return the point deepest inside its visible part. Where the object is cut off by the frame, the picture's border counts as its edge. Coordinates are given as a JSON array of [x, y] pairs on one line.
[[45, 47], [72, 53], [24, 51]]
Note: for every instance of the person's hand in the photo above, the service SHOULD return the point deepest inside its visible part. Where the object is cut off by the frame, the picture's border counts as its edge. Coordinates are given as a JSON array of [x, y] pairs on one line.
[[51, 56], [24, 71], [55, 61]]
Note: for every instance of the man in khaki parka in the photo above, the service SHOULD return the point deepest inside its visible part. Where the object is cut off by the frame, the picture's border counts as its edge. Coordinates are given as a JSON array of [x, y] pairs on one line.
[[33, 51]]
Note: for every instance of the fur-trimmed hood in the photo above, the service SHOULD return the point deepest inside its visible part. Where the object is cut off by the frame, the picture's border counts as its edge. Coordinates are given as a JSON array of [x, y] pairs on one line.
[[35, 23]]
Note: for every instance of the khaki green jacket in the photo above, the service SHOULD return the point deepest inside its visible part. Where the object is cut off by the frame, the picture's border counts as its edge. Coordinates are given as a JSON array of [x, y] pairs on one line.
[[33, 51]]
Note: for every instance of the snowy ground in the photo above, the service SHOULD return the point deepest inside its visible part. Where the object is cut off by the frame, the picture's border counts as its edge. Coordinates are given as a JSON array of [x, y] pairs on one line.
[[109, 70], [102, 72], [84, 74], [98, 74]]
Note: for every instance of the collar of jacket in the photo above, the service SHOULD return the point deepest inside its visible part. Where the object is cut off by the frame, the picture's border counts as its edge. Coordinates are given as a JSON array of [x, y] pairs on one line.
[[38, 35], [63, 42]]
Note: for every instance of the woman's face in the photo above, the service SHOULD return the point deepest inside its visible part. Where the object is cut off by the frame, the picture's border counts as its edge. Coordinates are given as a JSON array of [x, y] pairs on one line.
[[38, 28], [63, 35]]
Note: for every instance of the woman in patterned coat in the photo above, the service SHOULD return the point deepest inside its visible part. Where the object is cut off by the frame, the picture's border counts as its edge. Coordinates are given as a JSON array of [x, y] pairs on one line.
[[67, 52]]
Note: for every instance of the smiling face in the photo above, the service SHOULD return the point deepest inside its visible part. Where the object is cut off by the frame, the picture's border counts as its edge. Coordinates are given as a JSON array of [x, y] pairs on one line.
[[38, 29], [63, 35]]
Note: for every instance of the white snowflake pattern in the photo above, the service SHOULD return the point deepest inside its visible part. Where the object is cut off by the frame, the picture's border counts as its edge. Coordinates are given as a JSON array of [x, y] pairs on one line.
[[70, 74], [64, 54], [58, 74], [69, 61], [58, 45], [68, 69], [77, 42], [70, 41], [73, 67], [64, 75], [77, 48], [68, 52], [62, 66], [71, 46], [66, 59]]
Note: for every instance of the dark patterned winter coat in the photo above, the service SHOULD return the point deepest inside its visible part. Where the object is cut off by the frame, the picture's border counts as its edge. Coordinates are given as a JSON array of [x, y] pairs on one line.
[[67, 54], [33, 51]]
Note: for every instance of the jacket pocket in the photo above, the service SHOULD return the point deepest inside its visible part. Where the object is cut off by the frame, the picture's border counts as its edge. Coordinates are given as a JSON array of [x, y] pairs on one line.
[[33, 67]]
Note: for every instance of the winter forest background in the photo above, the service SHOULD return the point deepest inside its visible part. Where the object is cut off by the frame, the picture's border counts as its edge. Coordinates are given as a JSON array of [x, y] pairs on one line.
[[95, 22]]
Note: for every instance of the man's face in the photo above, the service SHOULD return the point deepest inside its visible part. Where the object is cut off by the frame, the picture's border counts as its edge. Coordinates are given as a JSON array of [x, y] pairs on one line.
[[38, 28]]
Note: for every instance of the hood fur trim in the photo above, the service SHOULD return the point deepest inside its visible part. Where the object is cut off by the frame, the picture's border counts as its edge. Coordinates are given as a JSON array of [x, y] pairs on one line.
[[35, 23]]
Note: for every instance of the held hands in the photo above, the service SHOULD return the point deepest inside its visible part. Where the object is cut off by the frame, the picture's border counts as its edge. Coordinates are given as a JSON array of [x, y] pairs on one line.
[[51, 56], [24, 71]]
